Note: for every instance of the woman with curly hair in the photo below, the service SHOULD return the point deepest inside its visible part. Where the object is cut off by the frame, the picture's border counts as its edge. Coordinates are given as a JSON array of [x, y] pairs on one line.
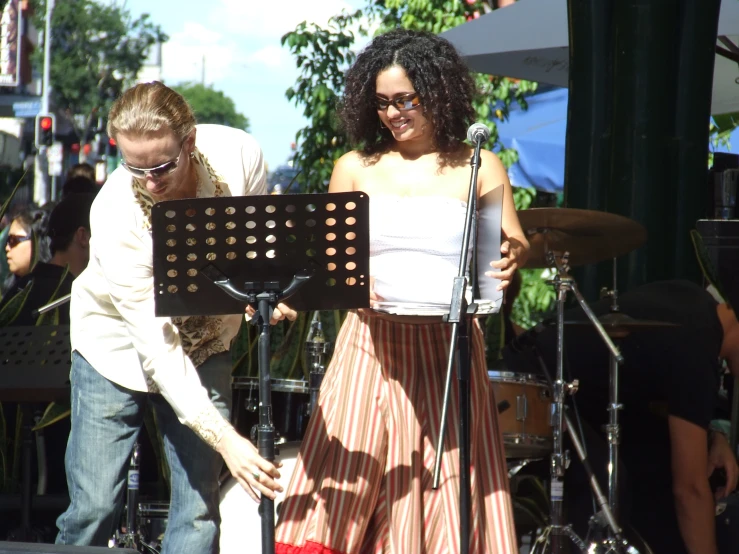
[[363, 480]]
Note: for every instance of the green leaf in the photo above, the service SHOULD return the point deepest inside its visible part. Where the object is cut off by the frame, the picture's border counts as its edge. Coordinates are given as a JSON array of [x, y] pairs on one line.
[[13, 307], [707, 268], [726, 122], [55, 411], [7, 202]]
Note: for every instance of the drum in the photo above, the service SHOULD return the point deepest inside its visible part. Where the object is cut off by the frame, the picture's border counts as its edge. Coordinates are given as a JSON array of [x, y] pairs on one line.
[[241, 526], [290, 407], [525, 422]]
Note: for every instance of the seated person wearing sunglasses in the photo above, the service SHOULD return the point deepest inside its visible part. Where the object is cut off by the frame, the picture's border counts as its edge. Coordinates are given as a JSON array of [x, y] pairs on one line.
[[125, 357], [34, 279]]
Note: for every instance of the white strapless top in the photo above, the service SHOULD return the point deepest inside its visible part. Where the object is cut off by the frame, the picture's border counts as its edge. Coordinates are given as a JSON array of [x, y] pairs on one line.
[[415, 245]]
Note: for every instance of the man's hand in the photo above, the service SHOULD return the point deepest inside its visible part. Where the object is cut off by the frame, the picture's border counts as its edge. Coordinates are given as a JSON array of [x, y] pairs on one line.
[[255, 474], [720, 456], [282, 311]]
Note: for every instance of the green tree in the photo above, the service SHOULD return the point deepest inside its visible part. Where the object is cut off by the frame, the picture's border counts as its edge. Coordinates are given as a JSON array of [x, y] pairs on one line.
[[212, 106], [97, 50], [322, 55]]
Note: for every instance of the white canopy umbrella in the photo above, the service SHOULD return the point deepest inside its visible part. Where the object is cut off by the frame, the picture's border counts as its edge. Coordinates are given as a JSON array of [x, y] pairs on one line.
[[529, 40]]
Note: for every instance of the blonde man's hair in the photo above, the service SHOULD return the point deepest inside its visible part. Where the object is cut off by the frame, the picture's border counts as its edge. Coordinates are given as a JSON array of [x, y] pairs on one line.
[[147, 108]]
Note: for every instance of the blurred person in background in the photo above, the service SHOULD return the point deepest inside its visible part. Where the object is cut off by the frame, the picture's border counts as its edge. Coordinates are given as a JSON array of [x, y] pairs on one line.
[[28, 257], [81, 170], [69, 232]]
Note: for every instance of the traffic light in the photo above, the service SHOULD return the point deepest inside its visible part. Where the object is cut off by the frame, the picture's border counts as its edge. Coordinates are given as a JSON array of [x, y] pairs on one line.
[[45, 129], [112, 148]]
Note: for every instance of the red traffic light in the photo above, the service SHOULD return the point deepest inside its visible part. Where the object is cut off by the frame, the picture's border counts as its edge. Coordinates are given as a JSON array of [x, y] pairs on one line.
[[45, 123], [111, 141]]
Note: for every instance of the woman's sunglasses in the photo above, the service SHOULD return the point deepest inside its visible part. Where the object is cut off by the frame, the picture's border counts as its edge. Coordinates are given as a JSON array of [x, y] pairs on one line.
[[402, 103], [15, 240], [154, 172]]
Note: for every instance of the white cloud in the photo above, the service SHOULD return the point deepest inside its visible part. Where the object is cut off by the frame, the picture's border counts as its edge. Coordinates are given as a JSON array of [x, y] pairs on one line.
[[184, 54], [272, 56], [257, 20]]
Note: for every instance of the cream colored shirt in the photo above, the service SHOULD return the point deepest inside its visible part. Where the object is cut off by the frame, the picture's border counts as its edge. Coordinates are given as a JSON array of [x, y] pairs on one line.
[[112, 307]]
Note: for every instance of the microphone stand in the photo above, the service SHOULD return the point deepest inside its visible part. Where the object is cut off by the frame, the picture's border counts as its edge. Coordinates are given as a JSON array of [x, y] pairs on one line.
[[460, 316]]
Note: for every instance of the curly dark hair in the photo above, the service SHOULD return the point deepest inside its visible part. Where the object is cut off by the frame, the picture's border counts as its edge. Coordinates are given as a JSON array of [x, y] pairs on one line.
[[438, 74]]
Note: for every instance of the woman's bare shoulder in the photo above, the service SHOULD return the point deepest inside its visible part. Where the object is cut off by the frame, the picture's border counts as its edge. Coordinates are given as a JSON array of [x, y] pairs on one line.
[[346, 168]]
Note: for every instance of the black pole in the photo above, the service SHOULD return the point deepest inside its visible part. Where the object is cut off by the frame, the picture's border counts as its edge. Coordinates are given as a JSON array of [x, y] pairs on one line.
[[465, 481], [266, 430], [459, 351], [132, 494]]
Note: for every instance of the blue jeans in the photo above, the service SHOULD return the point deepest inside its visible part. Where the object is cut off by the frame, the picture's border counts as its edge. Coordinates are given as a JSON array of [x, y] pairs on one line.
[[106, 419]]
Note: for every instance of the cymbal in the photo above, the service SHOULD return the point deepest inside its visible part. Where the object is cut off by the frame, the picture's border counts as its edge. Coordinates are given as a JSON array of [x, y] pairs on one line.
[[589, 236], [619, 324]]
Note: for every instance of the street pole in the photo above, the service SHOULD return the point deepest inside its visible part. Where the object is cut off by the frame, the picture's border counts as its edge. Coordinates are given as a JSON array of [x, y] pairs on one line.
[[41, 163]]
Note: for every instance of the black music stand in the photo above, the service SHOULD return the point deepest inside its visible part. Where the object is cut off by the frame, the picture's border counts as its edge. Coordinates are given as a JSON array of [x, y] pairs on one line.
[[34, 367], [213, 256]]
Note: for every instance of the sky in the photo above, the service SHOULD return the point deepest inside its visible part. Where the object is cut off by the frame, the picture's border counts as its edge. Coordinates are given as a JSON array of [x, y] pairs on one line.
[[240, 42]]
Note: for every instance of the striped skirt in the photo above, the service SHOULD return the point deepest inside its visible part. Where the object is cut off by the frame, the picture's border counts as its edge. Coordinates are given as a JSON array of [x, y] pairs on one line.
[[363, 479]]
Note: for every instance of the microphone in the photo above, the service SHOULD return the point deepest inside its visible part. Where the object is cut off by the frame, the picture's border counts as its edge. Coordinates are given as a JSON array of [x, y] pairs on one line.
[[478, 133]]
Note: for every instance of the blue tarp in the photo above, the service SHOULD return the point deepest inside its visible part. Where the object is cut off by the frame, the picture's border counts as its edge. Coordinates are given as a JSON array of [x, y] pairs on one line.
[[538, 135]]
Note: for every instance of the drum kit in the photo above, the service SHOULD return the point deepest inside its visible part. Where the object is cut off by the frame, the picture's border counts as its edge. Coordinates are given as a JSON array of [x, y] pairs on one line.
[[561, 238], [533, 417]]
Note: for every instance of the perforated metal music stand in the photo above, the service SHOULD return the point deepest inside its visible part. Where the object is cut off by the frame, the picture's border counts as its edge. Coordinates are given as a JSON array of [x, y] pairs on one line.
[[258, 239], [34, 367], [34, 363], [213, 256]]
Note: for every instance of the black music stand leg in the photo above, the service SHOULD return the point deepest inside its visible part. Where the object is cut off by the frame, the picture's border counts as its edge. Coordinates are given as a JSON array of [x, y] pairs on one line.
[[266, 430], [463, 371]]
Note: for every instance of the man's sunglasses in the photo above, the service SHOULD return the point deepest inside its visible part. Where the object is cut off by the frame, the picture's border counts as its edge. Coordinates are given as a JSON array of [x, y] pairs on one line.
[[15, 240], [155, 172], [402, 103]]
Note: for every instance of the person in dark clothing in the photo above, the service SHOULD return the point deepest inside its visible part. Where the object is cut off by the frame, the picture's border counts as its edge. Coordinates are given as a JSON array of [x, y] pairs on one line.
[[56, 242], [28, 255], [79, 185], [669, 388], [69, 232]]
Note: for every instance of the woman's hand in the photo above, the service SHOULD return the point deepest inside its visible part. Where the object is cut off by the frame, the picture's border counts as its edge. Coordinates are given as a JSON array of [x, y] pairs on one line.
[[255, 474], [373, 296], [513, 252], [282, 311]]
